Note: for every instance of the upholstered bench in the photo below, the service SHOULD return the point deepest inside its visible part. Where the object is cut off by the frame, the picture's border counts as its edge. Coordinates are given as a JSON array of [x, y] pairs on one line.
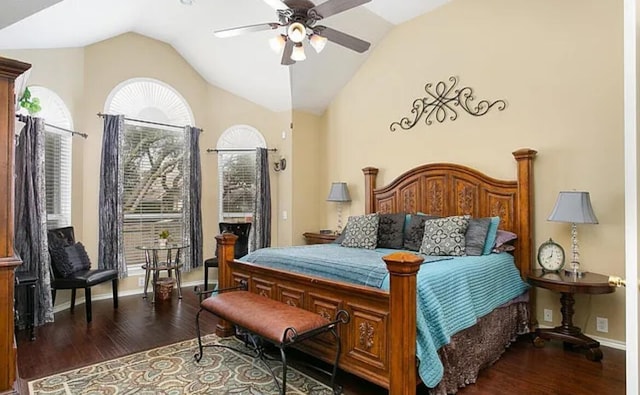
[[278, 323]]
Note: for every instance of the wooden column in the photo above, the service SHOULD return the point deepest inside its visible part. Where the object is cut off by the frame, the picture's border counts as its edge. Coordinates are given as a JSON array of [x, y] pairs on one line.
[[403, 268], [225, 251], [9, 71]]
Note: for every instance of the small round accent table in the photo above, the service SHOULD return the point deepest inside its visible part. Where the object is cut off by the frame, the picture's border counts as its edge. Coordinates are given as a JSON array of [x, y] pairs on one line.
[[154, 264], [567, 285]]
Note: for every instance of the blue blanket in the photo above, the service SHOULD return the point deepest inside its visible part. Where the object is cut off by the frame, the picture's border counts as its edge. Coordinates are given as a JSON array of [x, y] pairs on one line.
[[452, 292]]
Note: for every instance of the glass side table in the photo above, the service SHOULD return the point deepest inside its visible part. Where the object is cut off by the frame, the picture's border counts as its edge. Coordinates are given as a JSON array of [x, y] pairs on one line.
[[154, 264]]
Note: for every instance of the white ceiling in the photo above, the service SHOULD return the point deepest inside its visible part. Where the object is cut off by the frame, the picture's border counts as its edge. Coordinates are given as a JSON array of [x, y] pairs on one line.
[[243, 65]]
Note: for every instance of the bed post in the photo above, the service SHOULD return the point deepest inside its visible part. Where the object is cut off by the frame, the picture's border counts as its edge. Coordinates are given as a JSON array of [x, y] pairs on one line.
[[525, 157], [370, 174], [225, 251], [403, 268]]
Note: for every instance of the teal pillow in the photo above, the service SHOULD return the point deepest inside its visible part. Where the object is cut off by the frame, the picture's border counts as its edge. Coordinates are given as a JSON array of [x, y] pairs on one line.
[[491, 236]]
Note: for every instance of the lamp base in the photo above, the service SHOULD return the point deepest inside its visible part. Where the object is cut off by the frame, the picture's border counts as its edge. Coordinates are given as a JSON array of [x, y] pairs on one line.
[[576, 273]]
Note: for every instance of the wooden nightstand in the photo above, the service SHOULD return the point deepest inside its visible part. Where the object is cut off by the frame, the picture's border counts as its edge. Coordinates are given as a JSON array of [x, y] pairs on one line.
[[319, 238], [567, 285]]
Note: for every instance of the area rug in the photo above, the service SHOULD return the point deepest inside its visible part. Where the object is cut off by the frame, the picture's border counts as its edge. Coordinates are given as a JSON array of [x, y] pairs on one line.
[[172, 370]]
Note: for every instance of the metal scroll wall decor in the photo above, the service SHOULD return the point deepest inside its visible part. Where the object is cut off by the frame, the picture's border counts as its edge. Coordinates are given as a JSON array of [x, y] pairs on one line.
[[442, 102]]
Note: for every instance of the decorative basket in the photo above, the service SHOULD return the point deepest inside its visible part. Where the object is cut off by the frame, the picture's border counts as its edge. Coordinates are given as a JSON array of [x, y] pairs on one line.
[[164, 288]]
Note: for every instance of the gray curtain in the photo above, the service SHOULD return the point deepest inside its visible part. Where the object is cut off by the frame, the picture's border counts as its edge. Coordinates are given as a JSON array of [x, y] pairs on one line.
[[30, 221], [192, 209], [260, 236], [110, 244]]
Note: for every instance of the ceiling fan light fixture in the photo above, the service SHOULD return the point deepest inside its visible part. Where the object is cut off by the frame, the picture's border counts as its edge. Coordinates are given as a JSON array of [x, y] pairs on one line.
[[318, 42], [296, 32], [187, 2], [277, 42], [298, 53]]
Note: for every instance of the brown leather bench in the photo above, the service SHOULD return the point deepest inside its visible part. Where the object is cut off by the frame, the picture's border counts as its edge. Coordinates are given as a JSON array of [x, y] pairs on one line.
[[278, 323]]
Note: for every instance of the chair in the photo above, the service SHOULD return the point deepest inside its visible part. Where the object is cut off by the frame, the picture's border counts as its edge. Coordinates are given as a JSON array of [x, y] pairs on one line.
[[71, 268], [240, 229]]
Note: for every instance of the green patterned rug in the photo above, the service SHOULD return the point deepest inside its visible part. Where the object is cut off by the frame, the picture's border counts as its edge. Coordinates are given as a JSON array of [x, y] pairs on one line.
[[172, 370]]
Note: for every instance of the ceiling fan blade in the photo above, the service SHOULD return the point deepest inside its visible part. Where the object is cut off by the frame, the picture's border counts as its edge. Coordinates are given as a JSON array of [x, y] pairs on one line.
[[236, 31], [332, 7], [344, 39], [277, 4], [286, 54]]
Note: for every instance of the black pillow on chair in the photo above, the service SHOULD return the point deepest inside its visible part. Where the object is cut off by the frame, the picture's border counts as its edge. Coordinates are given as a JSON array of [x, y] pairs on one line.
[[78, 257], [60, 261]]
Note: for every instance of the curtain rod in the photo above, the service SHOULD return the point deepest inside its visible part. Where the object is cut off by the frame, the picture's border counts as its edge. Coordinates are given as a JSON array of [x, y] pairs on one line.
[[21, 117], [101, 115], [237, 149]]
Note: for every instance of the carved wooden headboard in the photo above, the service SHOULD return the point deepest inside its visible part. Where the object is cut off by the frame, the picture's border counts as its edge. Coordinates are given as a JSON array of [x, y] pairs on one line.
[[448, 189]]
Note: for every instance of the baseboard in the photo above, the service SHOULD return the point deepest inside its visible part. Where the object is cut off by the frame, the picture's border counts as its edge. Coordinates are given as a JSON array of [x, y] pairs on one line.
[[617, 344], [108, 295]]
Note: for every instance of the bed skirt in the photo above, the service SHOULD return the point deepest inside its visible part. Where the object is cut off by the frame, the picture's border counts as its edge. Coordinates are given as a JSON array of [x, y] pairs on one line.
[[481, 345]]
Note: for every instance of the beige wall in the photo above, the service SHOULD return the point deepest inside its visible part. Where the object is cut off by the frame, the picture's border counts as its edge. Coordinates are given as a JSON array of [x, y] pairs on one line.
[[84, 77], [559, 67]]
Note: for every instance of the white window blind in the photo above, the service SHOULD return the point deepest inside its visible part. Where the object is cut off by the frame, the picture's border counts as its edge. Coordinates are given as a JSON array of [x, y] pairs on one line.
[[237, 171], [58, 177], [153, 186], [57, 151]]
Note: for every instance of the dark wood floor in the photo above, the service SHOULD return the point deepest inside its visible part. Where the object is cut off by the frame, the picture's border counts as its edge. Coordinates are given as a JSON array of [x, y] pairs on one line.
[[137, 325]]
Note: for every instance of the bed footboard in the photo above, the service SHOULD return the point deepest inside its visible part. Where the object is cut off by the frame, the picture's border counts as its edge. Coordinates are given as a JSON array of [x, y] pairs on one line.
[[378, 344]]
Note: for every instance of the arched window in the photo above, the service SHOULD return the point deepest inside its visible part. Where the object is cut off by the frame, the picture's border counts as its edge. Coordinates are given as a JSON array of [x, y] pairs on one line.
[[154, 161], [237, 170], [57, 155]]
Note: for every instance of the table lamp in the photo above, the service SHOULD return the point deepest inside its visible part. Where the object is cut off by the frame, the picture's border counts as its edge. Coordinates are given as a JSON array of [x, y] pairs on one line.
[[574, 207], [339, 193]]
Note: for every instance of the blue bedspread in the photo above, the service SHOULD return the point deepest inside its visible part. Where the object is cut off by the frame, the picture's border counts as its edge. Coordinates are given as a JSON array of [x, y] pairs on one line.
[[452, 292]]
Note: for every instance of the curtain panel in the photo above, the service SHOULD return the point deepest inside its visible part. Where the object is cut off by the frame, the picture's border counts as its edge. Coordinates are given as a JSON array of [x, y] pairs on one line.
[[193, 192], [111, 237], [30, 219], [260, 236]]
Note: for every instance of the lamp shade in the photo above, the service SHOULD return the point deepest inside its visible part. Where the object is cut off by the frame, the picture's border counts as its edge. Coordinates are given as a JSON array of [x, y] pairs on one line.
[[574, 207], [339, 192]]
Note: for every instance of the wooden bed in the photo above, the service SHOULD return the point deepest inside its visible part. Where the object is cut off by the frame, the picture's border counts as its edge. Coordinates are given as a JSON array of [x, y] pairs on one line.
[[379, 342]]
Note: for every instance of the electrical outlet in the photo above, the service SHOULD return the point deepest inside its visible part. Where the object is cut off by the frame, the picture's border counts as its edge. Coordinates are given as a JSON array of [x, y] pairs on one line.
[[602, 324], [548, 315], [140, 281]]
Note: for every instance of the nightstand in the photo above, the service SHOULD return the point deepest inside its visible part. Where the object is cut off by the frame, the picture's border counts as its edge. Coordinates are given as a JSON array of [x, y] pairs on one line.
[[319, 238], [567, 285]]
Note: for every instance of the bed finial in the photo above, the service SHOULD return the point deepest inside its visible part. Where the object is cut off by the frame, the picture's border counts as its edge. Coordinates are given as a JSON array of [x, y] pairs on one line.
[[370, 174]]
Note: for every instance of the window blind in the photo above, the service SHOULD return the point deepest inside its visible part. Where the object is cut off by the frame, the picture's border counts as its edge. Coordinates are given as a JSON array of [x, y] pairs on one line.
[[57, 163], [237, 175], [154, 168]]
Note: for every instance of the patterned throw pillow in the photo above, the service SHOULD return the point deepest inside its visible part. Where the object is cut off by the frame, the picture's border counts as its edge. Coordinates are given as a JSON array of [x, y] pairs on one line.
[[390, 230], [445, 236], [361, 231], [78, 257], [414, 231]]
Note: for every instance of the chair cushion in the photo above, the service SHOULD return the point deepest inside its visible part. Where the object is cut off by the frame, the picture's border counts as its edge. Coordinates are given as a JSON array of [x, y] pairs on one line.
[[86, 278]]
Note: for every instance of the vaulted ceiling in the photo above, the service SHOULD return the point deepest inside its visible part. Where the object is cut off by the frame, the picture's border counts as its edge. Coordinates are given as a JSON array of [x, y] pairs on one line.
[[244, 65]]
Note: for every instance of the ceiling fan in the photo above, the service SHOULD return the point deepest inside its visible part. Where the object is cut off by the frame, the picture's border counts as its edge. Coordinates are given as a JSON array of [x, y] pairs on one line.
[[300, 18]]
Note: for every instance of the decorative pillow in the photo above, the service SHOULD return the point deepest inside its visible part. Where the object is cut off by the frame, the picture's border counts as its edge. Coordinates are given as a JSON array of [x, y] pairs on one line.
[[491, 236], [78, 257], [361, 231], [390, 230], [504, 236], [340, 237], [445, 236], [414, 232], [60, 261], [476, 235]]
